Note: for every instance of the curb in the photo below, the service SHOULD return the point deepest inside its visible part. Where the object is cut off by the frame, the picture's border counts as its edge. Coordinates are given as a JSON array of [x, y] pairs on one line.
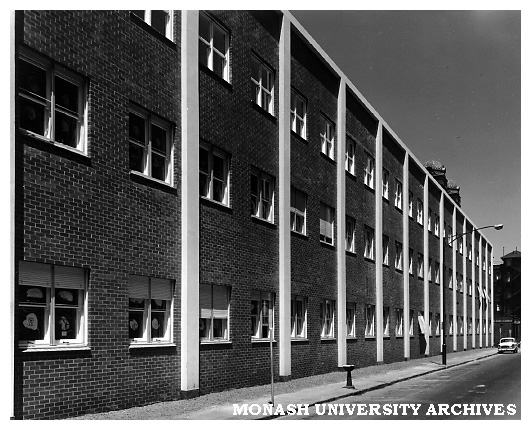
[[383, 385]]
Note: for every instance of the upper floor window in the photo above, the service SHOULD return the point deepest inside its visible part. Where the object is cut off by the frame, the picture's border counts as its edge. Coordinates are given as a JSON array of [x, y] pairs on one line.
[[350, 157], [150, 145], [398, 256], [469, 252], [160, 20], [327, 318], [410, 205], [52, 305], [385, 184], [369, 243], [385, 250], [437, 272], [213, 46], [420, 266], [214, 301], [429, 219], [52, 101], [437, 224], [398, 194], [420, 212], [298, 114], [262, 305], [150, 305], [263, 81], [350, 231], [262, 192], [430, 269], [214, 173], [410, 264], [327, 137], [477, 258], [460, 245], [327, 224], [298, 211], [368, 177]]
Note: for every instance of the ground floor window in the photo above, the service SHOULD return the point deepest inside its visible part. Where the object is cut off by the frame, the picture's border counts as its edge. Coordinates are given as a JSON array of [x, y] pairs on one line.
[[298, 317], [327, 318], [261, 317], [351, 320], [369, 321], [214, 302], [399, 322]]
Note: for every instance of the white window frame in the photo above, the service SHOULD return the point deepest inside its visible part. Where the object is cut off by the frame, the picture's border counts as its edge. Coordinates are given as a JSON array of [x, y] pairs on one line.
[[420, 212], [385, 184], [328, 310], [148, 18], [385, 250], [410, 205], [45, 293], [420, 266], [398, 256], [368, 172], [149, 149], [399, 322], [299, 318], [437, 324], [369, 243], [386, 320], [437, 272], [350, 235], [369, 321], [327, 134], [410, 264], [460, 245], [477, 258], [351, 320], [411, 323], [430, 327], [211, 310], [430, 268], [212, 51], [263, 85], [49, 104], [437, 225], [484, 263], [429, 219], [450, 280], [350, 157], [398, 194], [262, 302], [263, 198], [298, 197], [298, 116], [207, 172], [327, 228], [150, 291]]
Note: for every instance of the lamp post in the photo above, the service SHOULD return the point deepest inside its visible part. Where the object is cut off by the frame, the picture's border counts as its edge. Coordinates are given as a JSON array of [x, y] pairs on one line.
[[447, 241]]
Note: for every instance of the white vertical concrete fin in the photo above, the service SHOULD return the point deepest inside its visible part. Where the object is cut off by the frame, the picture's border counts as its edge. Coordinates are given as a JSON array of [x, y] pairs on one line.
[[405, 251], [426, 253], [465, 289], [454, 277], [480, 282], [442, 291], [378, 236], [189, 201]]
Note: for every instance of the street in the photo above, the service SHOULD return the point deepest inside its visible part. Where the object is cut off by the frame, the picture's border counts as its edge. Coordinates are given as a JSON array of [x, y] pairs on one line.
[[470, 391]]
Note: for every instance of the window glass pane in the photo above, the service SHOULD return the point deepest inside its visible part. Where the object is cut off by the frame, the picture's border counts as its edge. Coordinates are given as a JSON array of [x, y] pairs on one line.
[[204, 27], [33, 79], [158, 166], [66, 95], [219, 65], [66, 297], [159, 18], [136, 324], [66, 129], [32, 116], [137, 128], [158, 136], [158, 324], [219, 39], [218, 167], [204, 52], [30, 294], [32, 323], [255, 69], [65, 323], [136, 157]]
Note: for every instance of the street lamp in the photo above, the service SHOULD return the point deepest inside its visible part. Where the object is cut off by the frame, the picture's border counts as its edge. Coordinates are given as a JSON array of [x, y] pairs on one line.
[[447, 242]]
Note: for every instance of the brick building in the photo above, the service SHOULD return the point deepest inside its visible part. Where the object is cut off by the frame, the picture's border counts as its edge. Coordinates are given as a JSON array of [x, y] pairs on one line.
[[187, 181]]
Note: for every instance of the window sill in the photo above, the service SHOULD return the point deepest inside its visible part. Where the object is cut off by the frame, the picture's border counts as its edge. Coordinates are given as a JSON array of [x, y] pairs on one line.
[[215, 204], [263, 221], [350, 175], [299, 339], [352, 253], [399, 209], [54, 348], [399, 336], [369, 188], [46, 144], [299, 137], [256, 340], [215, 76], [152, 345], [351, 338], [263, 112], [369, 260], [399, 270], [327, 245], [139, 21], [300, 235], [140, 178], [327, 158], [328, 340]]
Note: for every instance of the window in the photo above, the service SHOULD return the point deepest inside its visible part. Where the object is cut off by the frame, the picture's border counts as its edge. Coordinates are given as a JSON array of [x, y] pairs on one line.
[[477, 326], [460, 283], [385, 184], [262, 193], [469, 326], [385, 249], [214, 174], [437, 272], [450, 279], [298, 211], [484, 264], [410, 205], [327, 224], [437, 324], [460, 245], [214, 302], [327, 318], [298, 114], [369, 321], [351, 320], [398, 256], [369, 243], [469, 286], [437, 223], [327, 137], [52, 102], [430, 324], [398, 194], [52, 305], [350, 230], [411, 322], [262, 320], [263, 83], [460, 324], [213, 46], [150, 145], [350, 157], [429, 219], [150, 305], [368, 177], [386, 321], [420, 212], [448, 235], [420, 266], [399, 322], [410, 269], [298, 317], [477, 258], [421, 323], [430, 268], [160, 20], [469, 252]]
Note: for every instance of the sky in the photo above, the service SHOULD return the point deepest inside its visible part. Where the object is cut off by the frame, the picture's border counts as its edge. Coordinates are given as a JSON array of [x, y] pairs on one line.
[[448, 83]]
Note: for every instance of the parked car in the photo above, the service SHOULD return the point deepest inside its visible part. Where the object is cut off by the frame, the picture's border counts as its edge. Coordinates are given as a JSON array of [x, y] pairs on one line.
[[507, 344]]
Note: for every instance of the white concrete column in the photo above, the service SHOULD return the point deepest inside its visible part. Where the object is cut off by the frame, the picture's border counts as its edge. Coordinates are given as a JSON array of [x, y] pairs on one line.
[[340, 242], [454, 276], [10, 402], [491, 277], [190, 203], [474, 327], [481, 310], [379, 251], [488, 306], [426, 253], [284, 189], [444, 280], [465, 289], [405, 248]]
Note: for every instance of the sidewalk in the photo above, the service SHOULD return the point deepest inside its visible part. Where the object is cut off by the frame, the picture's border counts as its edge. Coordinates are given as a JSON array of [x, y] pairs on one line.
[[311, 390]]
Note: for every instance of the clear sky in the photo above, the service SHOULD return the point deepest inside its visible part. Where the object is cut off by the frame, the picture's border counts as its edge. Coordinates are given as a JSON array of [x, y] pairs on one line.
[[449, 84]]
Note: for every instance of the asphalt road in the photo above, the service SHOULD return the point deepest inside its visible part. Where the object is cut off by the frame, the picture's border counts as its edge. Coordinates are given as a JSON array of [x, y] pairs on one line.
[[465, 392]]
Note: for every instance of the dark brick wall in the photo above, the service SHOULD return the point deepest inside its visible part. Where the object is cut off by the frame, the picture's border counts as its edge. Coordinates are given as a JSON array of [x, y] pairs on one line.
[[89, 212], [434, 253]]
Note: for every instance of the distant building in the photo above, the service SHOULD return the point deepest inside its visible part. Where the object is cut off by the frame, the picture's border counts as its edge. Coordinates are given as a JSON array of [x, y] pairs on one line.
[[507, 299]]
